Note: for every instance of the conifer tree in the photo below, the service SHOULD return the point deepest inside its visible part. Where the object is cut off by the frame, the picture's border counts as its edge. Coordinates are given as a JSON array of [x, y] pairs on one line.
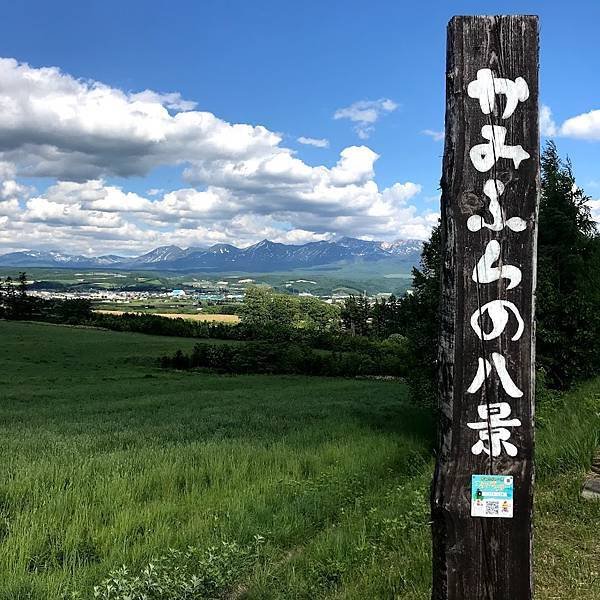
[[420, 315], [568, 285]]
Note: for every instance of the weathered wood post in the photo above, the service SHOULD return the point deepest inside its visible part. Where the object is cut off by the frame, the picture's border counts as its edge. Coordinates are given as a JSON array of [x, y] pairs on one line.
[[483, 486]]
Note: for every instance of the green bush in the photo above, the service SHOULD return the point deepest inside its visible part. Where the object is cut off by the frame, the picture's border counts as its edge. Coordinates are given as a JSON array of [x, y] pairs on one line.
[[189, 575], [378, 358]]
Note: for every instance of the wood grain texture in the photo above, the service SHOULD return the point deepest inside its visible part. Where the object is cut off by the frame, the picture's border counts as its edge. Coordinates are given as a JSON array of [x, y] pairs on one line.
[[485, 558]]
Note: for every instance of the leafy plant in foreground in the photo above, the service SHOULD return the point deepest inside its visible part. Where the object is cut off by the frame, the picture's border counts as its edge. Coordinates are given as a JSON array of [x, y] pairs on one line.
[[192, 574]]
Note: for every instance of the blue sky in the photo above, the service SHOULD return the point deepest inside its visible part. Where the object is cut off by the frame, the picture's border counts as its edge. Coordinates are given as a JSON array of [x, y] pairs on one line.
[[287, 67]]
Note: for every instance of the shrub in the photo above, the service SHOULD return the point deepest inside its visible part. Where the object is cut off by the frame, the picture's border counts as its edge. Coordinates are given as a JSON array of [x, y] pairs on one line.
[[180, 575], [379, 358]]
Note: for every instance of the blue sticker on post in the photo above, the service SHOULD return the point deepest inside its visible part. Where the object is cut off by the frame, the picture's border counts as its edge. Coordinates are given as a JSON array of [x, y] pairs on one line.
[[492, 496]]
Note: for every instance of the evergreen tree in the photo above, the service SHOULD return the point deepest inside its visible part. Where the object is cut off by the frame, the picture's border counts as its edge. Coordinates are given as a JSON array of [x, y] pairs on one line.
[[22, 285], [419, 310], [14, 301], [9, 298], [568, 288], [356, 315], [385, 316]]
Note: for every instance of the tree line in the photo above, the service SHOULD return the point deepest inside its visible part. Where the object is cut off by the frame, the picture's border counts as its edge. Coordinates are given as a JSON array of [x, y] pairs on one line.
[[383, 359], [568, 315]]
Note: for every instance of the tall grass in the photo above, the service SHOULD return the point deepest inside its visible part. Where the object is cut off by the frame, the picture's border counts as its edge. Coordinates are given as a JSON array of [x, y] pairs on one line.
[[283, 487], [110, 460]]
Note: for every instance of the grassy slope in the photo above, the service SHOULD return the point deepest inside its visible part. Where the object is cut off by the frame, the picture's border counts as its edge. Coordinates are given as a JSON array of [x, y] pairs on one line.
[[567, 535], [110, 460]]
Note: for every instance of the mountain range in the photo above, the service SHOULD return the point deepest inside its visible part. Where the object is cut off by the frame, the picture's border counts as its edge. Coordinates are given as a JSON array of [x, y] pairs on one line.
[[265, 256]]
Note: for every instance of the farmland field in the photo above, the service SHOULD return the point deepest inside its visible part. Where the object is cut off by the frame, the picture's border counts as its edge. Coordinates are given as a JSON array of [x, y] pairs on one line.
[[389, 275], [209, 317], [305, 487]]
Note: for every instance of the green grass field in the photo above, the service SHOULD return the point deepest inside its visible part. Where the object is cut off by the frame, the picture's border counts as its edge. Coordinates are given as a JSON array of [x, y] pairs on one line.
[[321, 483]]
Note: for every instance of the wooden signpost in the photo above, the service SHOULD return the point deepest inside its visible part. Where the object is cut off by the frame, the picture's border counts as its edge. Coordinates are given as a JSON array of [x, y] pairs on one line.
[[483, 486]]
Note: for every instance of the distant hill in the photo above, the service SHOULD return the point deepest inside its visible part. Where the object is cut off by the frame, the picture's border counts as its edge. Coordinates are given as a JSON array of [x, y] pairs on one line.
[[265, 256]]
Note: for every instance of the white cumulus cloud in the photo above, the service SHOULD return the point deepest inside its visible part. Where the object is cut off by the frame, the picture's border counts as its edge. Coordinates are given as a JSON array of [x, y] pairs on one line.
[[365, 113], [317, 142], [548, 127], [437, 136], [56, 126], [239, 184], [595, 208], [585, 126]]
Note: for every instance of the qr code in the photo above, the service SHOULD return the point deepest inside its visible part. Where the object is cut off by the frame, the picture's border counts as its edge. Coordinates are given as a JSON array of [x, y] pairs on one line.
[[492, 508]]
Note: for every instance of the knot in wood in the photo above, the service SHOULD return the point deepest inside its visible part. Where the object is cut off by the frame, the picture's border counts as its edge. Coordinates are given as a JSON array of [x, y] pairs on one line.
[[471, 203]]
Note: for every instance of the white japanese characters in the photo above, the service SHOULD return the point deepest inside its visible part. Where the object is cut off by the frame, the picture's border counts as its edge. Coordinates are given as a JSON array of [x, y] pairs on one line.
[[485, 272], [491, 320], [485, 156], [486, 86], [484, 370], [493, 189], [493, 429], [498, 311]]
